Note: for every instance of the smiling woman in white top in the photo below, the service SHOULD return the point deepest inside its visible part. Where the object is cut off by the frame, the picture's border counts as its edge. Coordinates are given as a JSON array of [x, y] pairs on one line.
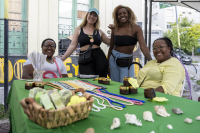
[[48, 48]]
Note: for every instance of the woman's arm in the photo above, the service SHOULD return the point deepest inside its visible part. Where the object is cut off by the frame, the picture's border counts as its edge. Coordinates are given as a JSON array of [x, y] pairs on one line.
[[111, 44], [27, 72], [73, 44], [142, 43], [104, 38], [160, 89]]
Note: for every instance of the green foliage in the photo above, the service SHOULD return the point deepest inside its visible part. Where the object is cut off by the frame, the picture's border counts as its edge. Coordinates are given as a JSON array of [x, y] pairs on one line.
[[189, 33], [4, 113]]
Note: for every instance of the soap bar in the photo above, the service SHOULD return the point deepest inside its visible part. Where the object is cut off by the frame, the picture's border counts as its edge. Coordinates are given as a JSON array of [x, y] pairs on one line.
[[46, 101], [65, 96], [34, 91], [37, 97], [56, 99]]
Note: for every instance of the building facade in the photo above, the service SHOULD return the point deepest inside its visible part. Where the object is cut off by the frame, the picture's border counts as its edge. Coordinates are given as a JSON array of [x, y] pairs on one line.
[[162, 17]]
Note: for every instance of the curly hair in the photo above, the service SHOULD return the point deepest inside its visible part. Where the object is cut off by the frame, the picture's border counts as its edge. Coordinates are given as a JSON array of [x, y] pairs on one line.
[[132, 18]]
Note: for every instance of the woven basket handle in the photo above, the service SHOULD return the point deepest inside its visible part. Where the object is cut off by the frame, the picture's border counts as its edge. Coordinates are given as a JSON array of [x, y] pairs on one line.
[[29, 100]]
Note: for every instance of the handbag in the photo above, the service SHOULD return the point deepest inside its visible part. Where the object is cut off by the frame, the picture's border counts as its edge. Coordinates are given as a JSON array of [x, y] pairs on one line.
[[124, 61], [50, 72], [85, 57]]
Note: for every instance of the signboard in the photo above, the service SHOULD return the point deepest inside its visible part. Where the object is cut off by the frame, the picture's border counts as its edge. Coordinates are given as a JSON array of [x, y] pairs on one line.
[[15, 67], [164, 5]]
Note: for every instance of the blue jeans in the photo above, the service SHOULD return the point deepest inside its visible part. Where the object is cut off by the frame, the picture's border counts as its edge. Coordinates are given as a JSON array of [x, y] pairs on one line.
[[118, 73]]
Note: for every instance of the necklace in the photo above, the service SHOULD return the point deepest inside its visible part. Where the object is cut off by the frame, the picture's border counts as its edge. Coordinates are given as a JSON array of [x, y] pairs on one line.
[[50, 61]]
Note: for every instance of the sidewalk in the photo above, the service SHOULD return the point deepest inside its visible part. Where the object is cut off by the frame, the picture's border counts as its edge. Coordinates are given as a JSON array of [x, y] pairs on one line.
[[196, 64]]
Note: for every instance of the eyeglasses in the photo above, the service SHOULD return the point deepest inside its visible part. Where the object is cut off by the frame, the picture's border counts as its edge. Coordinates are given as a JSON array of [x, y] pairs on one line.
[[47, 45], [160, 47]]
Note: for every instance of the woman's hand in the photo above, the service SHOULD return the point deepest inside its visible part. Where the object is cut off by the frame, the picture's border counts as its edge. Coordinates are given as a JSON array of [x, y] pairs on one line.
[[111, 26], [109, 72]]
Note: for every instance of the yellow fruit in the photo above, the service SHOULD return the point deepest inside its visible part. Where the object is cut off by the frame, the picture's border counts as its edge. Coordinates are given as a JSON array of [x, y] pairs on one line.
[[74, 98]]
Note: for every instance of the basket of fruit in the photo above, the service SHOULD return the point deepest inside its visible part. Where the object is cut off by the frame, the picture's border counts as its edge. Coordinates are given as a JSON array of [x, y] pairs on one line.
[[52, 109]]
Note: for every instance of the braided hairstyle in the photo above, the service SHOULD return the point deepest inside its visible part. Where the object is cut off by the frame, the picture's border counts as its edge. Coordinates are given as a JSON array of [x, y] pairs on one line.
[[47, 40], [169, 44]]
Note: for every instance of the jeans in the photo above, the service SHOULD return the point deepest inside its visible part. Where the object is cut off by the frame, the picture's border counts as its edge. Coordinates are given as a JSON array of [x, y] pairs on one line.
[[118, 73]]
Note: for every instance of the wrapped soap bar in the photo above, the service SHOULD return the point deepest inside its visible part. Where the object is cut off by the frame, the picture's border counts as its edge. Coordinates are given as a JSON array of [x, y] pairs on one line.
[[37, 97], [46, 102], [56, 99], [34, 91], [65, 96]]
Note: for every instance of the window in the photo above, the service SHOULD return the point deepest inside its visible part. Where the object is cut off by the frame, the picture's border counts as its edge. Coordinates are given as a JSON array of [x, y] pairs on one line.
[[189, 13], [183, 12], [168, 25], [169, 12], [18, 29], [82, 8], [71, 14]]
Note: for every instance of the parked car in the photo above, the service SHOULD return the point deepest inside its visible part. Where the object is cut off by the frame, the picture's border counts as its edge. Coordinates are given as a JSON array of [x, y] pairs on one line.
[[186, 59]]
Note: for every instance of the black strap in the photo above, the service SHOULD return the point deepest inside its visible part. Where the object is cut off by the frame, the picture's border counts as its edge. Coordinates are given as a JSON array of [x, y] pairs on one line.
[[91, 43]]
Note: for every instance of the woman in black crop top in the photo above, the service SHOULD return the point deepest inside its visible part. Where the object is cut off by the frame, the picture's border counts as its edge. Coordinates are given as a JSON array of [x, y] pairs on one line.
[[125, 35], [99, 64]]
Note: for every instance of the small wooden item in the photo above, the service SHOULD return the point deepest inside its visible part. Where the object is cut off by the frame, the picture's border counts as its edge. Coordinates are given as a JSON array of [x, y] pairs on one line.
[[100, 80], [29, 85], [149, 93], [106, 81], [132, 90], [125, 81], [39, 84], [124, 90]]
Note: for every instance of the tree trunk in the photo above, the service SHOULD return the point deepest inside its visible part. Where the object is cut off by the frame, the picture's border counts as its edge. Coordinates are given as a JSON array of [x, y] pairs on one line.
[[193, 53]]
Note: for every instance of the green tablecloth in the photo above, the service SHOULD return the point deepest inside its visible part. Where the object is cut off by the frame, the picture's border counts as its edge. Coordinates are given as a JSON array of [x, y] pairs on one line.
[[101, 121]]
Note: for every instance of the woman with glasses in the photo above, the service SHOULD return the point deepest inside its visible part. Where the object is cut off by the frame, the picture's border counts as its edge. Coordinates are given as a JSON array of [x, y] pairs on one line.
[[165, 73], [48, 48], [86, 33], [124, 37]]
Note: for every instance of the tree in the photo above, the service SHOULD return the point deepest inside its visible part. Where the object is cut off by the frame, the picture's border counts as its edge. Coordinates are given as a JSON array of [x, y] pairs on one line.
[[189, 33]]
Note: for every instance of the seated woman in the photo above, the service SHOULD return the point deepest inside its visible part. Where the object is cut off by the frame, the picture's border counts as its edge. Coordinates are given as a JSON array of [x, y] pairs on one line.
[[166, 73], [48, 48]]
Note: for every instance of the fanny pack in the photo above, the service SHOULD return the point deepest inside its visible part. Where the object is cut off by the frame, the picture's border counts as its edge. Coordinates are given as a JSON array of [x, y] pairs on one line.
[[50, 72], [123, 61]]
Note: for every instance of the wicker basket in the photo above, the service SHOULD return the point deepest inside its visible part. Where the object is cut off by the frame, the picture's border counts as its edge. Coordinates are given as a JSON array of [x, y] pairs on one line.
[[60, 117]]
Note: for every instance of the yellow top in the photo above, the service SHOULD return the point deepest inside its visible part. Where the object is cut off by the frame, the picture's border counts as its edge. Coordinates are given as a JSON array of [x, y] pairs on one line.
[[168, 74]]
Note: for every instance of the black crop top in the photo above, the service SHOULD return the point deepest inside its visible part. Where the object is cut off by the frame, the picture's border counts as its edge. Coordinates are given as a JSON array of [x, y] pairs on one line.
[[124, 40], [84, 39]]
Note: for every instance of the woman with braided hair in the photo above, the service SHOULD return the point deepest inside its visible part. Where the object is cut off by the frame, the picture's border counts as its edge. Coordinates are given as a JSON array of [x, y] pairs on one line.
[[165, 73], [124, 37]]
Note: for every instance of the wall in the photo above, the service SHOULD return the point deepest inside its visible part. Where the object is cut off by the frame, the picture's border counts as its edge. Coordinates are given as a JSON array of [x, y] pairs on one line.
[[43, 23]]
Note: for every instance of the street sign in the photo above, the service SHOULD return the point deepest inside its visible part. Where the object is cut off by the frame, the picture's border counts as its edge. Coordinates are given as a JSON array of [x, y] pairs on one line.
[[164, 5]]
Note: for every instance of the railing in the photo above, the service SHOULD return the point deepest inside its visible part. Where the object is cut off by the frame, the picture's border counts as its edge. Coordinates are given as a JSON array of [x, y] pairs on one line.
[[18, 37], [65, 30]]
